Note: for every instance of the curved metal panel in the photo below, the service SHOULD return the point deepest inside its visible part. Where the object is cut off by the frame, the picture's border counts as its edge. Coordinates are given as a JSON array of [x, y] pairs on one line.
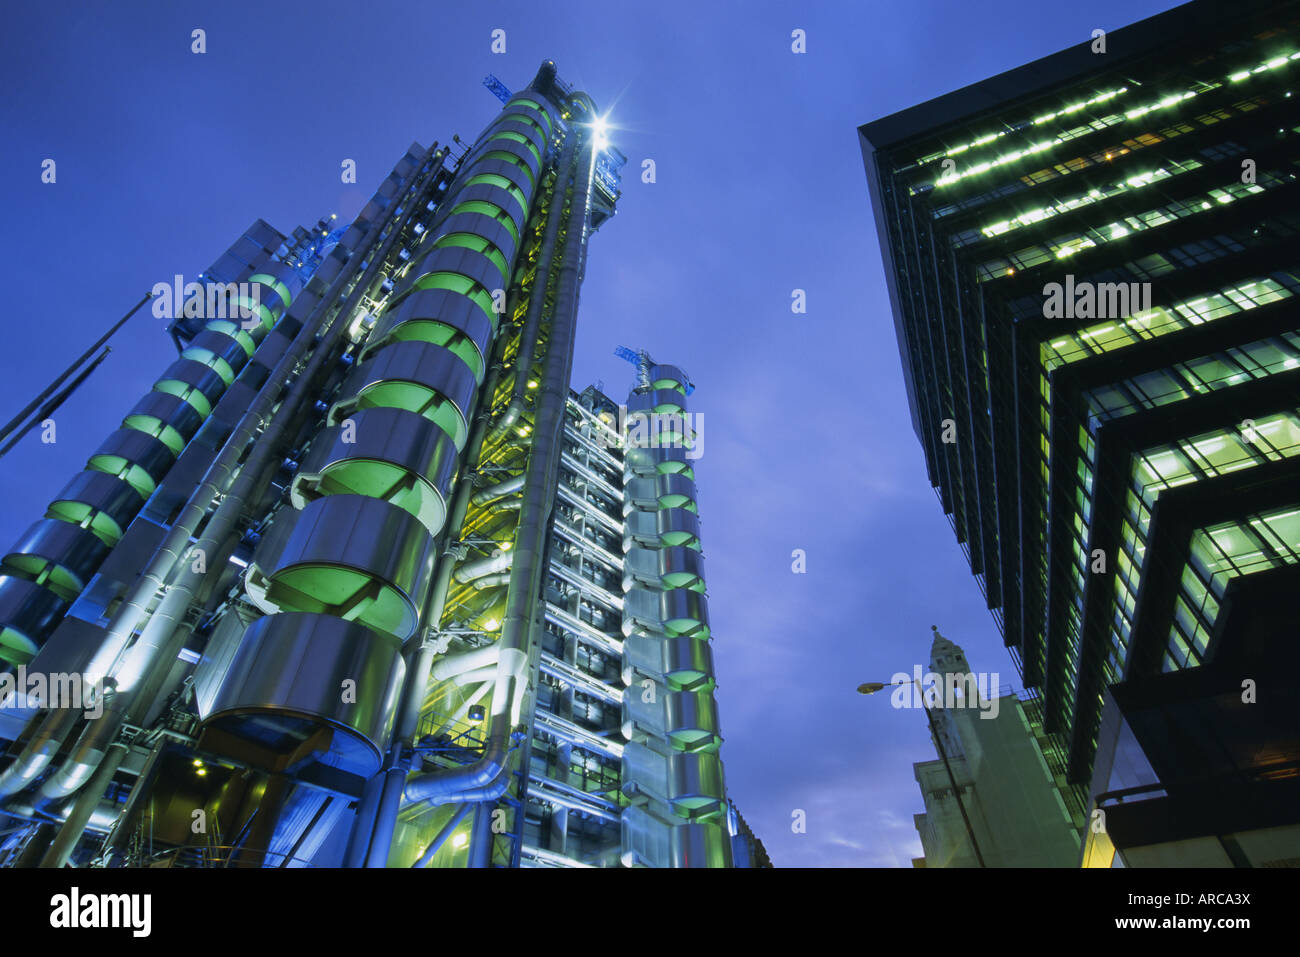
[[28, 613], [680, 567], [684, 612], [171, 410], [695, 782], [527, 130], [640, 493], [662, 374], [420, 455], [75, 550], [500, 167], [105, 493], [276, 299], [677, 526], [439, 306], [640, 610], [699, 844], [458, 259], [437, 372], [687, 662], [674, 491], [640, 566], [691, 720], [534, 113], [480, 224], [649, 841], [650, 461], [197, 374], [294, 674], [139, 449], [352, 556], [223, 345], [488, 193], [662, 401], [513, 147]]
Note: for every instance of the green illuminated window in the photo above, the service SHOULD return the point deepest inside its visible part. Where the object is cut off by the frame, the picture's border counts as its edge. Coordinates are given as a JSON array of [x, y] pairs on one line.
[[280, 288], [213, 361], [524, 101], [235, 332], [441, 334], [83, 516], [478, 244], [467, 287], [45, 573], [519, 138], [511, 158], [492, 179], [183, 390], [153, 426], [127, 471], [489, 209]]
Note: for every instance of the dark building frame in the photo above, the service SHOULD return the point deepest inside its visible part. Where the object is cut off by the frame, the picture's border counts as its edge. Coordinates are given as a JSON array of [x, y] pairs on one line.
[[1026, 444]]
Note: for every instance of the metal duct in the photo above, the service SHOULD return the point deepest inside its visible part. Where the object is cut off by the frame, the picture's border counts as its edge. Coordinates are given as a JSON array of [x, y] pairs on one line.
[[454, 665], [500, 490], [372, 835], [468, 571], [486, 779]]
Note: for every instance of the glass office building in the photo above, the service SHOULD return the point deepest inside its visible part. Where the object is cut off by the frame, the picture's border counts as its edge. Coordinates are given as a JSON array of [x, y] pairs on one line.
[[1093, 261], [362, 581]]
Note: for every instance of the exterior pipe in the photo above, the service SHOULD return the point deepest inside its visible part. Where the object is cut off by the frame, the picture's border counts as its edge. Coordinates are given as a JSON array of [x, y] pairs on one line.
[[158, 645], [363, 825], [487, 778], [121, 828], [372, 832], [500, 490], [480, 836], [477, 676], [469, 571], [469, 661], [101, 820], [224, 521], [537, 299], [445, 833], [70, 833], [41, 749], [492, 581]]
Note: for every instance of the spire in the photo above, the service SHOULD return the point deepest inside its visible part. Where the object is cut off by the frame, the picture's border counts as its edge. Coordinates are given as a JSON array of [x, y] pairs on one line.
[[946, 657]]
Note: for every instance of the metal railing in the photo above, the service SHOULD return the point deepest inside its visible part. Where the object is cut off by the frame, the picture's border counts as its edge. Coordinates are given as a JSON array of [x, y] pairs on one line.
[[220, 855]]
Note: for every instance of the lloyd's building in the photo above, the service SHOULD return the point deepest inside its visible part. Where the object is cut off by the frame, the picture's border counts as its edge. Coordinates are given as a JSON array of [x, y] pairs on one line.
[[362, 582]]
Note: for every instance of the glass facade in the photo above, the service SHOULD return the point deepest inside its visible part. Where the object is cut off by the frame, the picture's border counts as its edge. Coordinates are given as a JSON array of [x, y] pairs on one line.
[[1094, 285]]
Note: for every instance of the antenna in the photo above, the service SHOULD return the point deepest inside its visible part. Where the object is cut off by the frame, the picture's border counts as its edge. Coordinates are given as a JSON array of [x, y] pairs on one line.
[[496, 86], [643, 362]]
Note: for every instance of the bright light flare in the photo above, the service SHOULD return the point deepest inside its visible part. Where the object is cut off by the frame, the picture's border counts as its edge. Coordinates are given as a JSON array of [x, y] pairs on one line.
[[600, 132]]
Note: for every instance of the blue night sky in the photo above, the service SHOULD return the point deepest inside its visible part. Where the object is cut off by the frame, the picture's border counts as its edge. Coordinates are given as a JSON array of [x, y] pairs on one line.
[[165, 157]]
